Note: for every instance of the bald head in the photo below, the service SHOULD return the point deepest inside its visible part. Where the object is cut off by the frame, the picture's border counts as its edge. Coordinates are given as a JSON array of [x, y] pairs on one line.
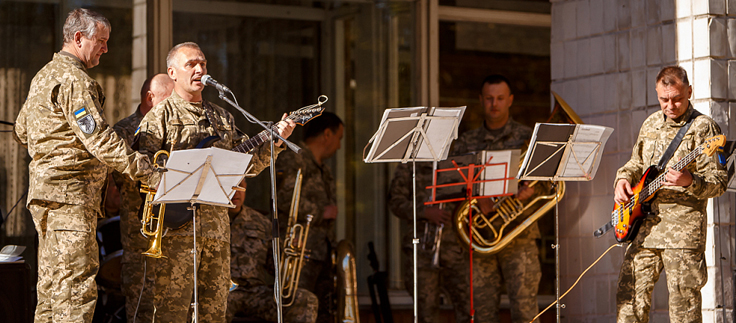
[[155, 90]]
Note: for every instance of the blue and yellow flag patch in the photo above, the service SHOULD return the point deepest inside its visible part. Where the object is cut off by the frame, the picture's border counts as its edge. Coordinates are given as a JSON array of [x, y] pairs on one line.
[[80, 113]]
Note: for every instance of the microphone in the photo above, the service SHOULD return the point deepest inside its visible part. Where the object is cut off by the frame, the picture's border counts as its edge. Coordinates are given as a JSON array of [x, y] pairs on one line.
[[208, 80]]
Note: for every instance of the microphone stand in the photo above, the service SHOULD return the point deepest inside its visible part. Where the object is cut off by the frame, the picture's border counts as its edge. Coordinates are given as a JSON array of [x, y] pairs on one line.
[[276, 243]]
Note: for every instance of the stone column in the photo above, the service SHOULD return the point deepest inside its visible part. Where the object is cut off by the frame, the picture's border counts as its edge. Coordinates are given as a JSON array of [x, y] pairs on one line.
[[605, 57]]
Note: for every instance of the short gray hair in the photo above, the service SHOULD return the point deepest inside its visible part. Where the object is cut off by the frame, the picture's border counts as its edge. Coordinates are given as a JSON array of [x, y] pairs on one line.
[[85, 21], [175, 49], [672, 75]]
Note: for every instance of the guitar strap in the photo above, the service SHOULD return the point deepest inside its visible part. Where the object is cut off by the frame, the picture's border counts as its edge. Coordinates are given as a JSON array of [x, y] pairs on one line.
[[214, 121], [662, 162], [676, 141]]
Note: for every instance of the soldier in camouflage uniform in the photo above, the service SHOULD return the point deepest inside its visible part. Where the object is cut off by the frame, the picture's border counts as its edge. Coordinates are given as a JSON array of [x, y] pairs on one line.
[[674, 238], [517, 265], [179, 122], [321, 140], [452, 275], [71, 146], [251, 267], [153, 91]]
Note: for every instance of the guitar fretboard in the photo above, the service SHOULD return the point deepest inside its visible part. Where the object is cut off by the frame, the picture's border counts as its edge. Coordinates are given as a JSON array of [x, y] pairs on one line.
[[300, 116], [657, 183]]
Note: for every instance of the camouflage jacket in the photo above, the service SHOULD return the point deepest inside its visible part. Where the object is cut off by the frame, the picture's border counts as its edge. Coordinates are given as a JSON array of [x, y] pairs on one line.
[[681, 218], [318, 191], [176, 124], [70, 143], [401, 200], [513, 135], [251, 260]]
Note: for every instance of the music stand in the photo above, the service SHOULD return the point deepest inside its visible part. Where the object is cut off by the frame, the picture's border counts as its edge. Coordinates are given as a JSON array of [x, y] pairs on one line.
[[201, 176], [563, 152], [414, 134]]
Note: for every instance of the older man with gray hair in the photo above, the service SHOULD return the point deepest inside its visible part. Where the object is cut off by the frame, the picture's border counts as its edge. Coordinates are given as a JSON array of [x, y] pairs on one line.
[[71, 146]]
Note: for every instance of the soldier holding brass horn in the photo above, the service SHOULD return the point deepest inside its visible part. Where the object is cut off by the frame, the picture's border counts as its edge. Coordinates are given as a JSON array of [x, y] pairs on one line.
[[518, 263], [251, 267], [318, 197]]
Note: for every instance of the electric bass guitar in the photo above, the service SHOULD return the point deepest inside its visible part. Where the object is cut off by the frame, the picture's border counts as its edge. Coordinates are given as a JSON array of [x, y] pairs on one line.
[[627, 217], [177, 214]]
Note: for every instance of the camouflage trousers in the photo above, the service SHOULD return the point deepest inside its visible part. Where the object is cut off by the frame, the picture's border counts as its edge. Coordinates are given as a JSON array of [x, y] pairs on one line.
[[173, 288], [517, 265], [452, 276], [686, 275], [258, 302], [138, 293], [316, 277], [68, 261]]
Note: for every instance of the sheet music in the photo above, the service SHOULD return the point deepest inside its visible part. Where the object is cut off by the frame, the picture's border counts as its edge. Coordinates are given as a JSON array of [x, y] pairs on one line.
[[185, 168], [510, 160], [437, 132], [580, 161]]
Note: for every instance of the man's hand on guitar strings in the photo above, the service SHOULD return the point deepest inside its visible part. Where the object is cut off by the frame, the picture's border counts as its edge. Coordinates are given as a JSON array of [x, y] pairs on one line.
[[285, 126], [675, 178], [623, 192]]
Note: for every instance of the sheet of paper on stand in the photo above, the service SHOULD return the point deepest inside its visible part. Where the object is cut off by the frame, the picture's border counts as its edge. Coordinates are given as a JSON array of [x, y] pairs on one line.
[[223, 169], [497, 177], [11, 253]]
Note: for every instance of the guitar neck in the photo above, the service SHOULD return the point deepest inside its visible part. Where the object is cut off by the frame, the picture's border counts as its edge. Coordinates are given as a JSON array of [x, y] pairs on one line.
[[658, 182], [254, 142]]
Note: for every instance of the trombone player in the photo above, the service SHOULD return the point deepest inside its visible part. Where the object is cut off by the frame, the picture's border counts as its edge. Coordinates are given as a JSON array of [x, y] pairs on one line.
[[251, 267]]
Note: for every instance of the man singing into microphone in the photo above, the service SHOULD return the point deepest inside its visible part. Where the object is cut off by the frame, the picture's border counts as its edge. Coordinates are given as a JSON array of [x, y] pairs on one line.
[[180, 122]]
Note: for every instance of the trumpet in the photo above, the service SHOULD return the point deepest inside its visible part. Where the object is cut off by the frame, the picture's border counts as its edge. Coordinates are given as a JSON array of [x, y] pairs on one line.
[[292, 255], [152, 226]]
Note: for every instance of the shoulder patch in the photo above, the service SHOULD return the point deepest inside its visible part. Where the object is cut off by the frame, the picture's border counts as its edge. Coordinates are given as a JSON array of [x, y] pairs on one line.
[[80, 113], [87, 124]]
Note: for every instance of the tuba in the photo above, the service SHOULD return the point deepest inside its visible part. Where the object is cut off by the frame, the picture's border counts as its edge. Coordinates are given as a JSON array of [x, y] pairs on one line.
[[292, 255], [152, 226], [346, 286], [492, 232]]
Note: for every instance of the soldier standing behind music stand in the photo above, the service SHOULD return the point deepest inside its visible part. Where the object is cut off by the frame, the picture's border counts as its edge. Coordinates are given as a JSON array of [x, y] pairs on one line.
[[180, 122], [452, 274], [518, 263]]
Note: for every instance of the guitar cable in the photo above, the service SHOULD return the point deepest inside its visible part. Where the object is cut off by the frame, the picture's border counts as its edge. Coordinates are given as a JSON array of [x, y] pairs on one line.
[[578, 280]]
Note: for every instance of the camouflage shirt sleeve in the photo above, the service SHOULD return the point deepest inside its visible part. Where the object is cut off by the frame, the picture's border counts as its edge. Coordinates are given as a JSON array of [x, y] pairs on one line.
[[709, 178], [77, 103], [288, 166], [401, 202], [20, 132]]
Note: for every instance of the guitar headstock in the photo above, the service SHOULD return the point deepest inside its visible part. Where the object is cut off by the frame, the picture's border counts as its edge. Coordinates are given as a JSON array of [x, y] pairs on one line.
[[712, 144], [306, 114]]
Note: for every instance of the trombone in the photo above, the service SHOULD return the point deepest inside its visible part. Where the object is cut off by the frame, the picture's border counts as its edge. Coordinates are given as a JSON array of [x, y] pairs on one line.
[[292, 255]]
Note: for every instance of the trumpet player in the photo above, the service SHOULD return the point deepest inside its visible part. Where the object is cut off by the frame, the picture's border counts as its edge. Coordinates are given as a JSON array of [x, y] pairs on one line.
[[251, 267], [518, 263], [154, 90], [445, 268], [321, 141], [182, 121]]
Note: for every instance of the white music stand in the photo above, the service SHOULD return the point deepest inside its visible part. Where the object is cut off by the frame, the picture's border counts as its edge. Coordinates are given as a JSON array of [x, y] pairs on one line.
[[563, 152], [201, 176], [414, 134]]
